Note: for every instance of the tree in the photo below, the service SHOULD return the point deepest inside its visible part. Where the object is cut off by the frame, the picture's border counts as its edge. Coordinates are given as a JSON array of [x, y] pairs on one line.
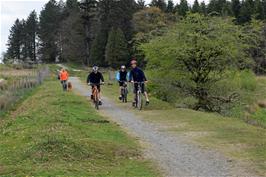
[[236, 6], [194, 57], [161, 4], [141, 4], [73, 35], [116, 49], [50, 18], [196, 7], [170, 6], [31, 28], [203, 8], [15, 41], [260, 12], [89, 11], [183, 8], [246, 11]]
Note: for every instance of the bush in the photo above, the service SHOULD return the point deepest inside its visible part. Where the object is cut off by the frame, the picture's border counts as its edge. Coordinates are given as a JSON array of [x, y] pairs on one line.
[[194, 58]]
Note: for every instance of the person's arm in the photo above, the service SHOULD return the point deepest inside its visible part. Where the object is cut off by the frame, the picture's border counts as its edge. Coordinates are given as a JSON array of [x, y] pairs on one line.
[[130, 76], [144, 77], [117, 76], [102, 79], [88, 78]]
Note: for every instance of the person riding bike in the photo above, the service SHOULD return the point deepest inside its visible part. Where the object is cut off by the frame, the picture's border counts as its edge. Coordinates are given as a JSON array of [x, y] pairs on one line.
[[121, 77], [137, 76], [94, 79]]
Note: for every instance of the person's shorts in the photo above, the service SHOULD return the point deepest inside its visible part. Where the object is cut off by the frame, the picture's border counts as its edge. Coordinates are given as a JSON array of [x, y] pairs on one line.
[[121, 83], [98, 87], [143, 89]]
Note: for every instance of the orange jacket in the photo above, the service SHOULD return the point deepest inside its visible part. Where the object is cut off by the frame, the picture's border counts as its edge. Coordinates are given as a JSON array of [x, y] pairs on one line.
[[63, 75]]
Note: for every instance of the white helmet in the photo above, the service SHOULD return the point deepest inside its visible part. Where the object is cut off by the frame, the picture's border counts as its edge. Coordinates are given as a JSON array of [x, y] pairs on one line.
[[123, 67], [95, 68]]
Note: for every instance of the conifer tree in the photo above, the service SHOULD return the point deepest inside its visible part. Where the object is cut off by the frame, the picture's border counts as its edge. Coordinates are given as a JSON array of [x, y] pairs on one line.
[[196, 7], [117, 52], [183, 8], [170, 6]]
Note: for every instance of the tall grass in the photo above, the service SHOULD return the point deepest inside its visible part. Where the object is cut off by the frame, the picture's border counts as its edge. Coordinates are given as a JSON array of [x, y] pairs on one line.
[[15, 86]]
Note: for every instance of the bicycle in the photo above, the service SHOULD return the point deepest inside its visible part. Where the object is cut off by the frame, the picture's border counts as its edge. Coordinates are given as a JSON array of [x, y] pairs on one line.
[[124, 92], [138, 97], [95, 95]]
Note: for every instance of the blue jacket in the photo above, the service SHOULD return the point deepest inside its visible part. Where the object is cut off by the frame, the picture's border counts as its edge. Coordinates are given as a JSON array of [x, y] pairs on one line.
[[122, 76], [137, 75]]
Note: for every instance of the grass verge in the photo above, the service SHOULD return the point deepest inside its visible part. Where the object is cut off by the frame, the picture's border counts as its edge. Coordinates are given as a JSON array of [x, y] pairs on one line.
[[231, 136], [54, 133]]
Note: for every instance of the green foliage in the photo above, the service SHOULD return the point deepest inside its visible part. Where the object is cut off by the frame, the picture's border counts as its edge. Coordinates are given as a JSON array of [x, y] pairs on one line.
[[170, 6], [183, 8], [116, 49], [260, 117], [161, 4], [196, 7], [49, 30], [194, 56], [57, 132]]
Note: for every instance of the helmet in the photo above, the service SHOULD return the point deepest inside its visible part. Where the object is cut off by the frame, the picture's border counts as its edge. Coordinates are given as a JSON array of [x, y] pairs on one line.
[[95, 68], [123, 67], [133, 62]]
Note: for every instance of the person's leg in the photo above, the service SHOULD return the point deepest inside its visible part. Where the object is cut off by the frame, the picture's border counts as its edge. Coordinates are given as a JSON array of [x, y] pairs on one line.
[[92, 92], [99, 94], [145, 93], [120, 90], [135, 93]]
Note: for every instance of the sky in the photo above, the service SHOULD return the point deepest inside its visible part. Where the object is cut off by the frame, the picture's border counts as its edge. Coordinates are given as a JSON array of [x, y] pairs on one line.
[[10, 10]]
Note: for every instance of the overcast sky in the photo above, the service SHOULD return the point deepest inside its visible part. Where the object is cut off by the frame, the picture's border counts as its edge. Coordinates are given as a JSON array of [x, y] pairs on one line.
[[10, 10]]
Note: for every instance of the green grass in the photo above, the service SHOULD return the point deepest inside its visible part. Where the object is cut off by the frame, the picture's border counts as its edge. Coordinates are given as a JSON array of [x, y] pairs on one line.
[[231, 136], [54, 133]]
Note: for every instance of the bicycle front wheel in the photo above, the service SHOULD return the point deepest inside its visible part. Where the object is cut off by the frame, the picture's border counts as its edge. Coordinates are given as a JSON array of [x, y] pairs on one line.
[[139, 101]]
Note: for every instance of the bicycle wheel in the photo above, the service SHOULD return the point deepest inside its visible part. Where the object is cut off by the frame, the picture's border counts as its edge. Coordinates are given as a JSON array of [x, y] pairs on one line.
[[96, 102], [125, 95], [139, 102]]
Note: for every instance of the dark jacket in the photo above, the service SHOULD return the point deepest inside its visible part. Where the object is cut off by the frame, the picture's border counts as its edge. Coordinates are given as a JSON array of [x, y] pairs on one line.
[[137, 75], [95, 78]]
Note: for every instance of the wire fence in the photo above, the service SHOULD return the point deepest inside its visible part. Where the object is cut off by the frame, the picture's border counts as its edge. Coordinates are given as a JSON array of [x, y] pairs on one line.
[[11, 91]]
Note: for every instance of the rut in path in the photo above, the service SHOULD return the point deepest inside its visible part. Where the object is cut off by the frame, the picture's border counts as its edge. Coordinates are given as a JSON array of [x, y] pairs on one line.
[[173, 154]]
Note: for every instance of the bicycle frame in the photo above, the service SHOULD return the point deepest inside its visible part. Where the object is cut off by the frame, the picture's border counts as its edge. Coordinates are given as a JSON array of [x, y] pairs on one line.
[[124, 92], [95, 94], [139, 101]]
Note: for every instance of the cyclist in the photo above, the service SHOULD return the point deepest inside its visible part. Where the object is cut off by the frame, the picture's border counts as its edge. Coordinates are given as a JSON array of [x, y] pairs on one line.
[[95, 78], [121, 77], [137, 75], [63, 76]]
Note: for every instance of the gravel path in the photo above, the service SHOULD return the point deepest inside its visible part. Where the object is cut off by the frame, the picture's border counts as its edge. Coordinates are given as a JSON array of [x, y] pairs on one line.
[[174, 155]]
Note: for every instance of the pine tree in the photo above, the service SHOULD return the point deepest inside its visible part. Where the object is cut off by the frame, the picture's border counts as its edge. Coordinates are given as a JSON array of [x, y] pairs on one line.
[[97, 54], [203, 8], [236, 6], [170, 6], [49, 28], [141, 4], [89, 11], [183, 8], [246, 11], [15, 41], [259, 10], [161, 4], [196, 7], [116, 49], [31, 28]]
